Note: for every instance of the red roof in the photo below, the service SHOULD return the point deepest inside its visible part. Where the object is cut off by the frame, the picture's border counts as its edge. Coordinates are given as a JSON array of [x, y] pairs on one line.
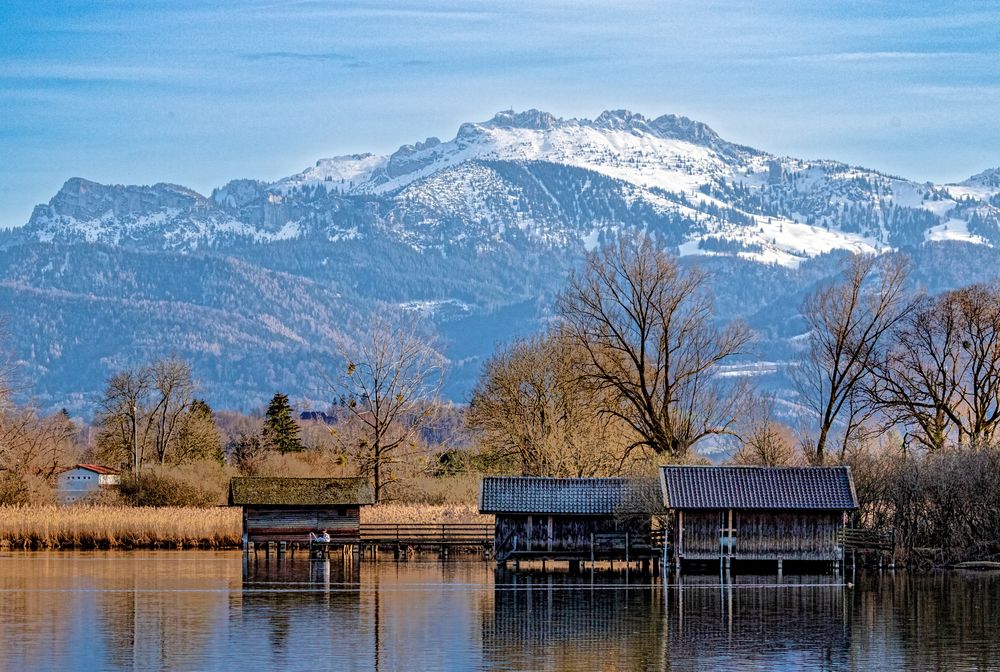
[[96, 468]]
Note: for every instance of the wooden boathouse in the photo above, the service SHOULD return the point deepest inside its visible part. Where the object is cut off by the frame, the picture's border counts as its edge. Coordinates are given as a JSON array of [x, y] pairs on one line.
[[730, 514], [569, 518], [288, 509]]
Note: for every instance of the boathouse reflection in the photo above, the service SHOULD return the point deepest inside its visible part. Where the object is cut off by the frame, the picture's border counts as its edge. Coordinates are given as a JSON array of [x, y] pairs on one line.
[[286, 602], [797, 623], [564, 621], [567, 621]]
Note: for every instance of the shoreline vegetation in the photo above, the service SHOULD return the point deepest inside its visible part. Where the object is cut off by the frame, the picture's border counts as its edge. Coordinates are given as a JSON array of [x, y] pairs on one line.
[[102, 527], [900, 385]]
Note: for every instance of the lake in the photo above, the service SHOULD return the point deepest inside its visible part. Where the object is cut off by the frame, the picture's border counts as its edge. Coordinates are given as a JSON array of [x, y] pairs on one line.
[[195, 610]]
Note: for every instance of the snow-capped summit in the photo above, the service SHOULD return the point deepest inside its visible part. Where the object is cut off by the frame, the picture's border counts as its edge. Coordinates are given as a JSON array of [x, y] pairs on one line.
[[668, 152], [340, 173], [568, 183], [989, 178], [530, 119]]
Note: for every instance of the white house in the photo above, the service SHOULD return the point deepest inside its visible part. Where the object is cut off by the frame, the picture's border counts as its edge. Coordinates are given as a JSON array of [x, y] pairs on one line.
[[85, 479]]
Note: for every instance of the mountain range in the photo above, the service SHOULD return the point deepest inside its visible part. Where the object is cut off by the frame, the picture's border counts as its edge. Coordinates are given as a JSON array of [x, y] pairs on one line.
[[260, 284]]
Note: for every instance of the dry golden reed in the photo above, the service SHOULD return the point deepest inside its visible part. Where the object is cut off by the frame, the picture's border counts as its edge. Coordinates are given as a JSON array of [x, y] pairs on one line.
[[98, 526], [423, 513]]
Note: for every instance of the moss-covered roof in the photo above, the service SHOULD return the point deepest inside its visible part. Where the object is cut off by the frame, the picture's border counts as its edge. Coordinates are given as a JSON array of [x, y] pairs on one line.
[[272, 491]]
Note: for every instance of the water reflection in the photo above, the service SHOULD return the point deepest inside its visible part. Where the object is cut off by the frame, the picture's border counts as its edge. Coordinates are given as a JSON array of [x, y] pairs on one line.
[[112, 610], [202, 610], [759, 622], [291, 610], [566, 622]]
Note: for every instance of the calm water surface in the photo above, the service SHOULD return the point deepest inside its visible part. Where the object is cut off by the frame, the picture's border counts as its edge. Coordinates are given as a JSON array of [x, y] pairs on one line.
[[197, 611]]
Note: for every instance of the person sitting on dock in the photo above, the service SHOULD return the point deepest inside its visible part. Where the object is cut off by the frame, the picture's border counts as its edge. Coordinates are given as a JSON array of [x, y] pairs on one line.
[[323, 538]]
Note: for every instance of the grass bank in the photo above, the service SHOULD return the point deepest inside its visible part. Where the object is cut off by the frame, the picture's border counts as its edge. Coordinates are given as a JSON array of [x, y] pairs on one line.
[[83, 526]]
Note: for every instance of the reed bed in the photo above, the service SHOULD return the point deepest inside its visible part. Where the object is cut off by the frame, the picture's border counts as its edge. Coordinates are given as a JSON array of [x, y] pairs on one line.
[[423, 513], [119, 527]]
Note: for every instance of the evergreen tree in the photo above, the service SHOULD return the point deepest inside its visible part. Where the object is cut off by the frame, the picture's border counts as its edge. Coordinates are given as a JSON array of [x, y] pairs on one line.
[[280, 429]]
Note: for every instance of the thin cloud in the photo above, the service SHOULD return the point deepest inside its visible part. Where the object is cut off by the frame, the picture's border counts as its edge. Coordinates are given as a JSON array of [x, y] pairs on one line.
[[326, 56], [869, 57], [854, 56], [974, 92], [89, 73]]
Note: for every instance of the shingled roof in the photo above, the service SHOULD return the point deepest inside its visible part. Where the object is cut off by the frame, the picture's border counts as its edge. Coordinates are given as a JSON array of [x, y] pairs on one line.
[[819, 488], [564, 496], [270, 491]]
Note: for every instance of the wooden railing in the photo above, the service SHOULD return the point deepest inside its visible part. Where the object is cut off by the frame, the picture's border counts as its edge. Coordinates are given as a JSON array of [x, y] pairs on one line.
[[429, 534], [866, 540]]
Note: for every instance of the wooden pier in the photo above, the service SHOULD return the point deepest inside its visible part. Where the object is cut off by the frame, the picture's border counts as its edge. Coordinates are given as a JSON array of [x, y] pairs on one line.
[[401, 539], [431, 536], [874, 546]]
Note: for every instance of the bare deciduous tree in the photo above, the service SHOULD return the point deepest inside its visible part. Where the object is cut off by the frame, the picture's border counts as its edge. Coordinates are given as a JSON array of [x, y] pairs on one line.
[[173, 392], [941, 377], [123, 418], [143, 408], [35, 446], [248, 451], [765, 441], [7, 366], [652, 344], [848, 322], [528, 404], [387, 387]]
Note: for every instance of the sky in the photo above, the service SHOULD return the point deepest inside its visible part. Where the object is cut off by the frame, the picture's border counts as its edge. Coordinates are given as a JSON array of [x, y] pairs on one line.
[[199, 93]]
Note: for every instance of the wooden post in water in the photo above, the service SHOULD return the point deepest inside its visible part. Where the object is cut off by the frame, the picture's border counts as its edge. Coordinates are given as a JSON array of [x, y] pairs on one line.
[[680, 541], [731, 545]]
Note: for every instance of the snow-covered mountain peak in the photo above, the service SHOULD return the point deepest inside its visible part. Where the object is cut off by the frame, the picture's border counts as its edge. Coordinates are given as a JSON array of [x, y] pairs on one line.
[[338, 173], [669, 152], [619, 120], [83, 199], [529, 119], [237, 193], [532, 178], [989, 178]]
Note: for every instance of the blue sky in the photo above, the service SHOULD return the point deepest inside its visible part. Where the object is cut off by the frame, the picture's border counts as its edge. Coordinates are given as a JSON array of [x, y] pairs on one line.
[[199, 93]]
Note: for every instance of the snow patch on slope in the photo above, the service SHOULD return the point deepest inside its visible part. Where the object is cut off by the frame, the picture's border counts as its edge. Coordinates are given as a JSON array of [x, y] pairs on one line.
[[954, 230], [340, 173]]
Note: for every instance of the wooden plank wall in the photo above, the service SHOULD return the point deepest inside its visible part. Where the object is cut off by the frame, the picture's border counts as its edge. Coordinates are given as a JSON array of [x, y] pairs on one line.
[[791, 535], [569, 534], [295, 524]]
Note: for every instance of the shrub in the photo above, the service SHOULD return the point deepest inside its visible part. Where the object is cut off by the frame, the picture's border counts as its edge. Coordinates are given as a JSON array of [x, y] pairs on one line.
[[158, 489]]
